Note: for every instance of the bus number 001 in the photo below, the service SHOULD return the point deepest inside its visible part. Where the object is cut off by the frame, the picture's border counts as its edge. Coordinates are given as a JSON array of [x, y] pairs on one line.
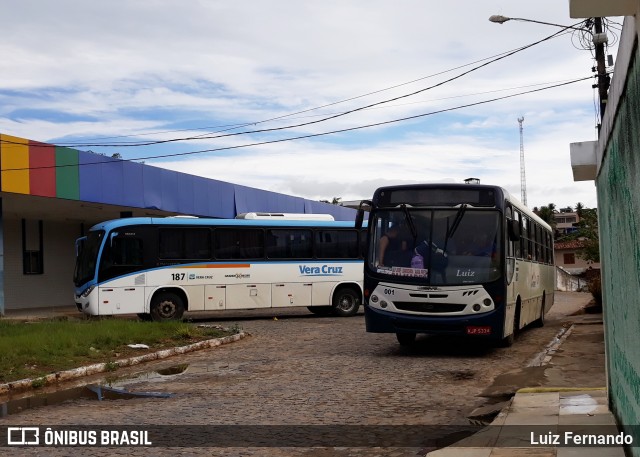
[[389, 292], [177, 276]]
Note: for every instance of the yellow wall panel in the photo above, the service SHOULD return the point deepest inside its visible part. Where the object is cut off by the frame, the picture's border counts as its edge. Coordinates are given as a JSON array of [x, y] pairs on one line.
[[14, 153]]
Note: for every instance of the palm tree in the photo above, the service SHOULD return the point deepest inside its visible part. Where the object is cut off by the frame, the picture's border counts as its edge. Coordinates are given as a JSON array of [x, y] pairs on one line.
[[546, 213], [579, 208]]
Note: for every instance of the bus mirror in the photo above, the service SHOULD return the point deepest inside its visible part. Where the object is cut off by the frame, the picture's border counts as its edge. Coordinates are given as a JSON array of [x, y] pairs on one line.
[[515, 231], [112, 235], [360, 213], [359, 218], [80, 242]]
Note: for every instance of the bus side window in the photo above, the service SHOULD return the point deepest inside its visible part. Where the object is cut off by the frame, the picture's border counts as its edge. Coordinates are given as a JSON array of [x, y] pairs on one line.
[[363, 244], [517, 245], [127, 251], [289, 244], [336, 244], [238, 244]]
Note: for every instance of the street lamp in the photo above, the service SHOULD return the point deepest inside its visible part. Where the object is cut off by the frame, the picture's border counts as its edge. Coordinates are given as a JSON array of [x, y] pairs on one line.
[[599, 39]]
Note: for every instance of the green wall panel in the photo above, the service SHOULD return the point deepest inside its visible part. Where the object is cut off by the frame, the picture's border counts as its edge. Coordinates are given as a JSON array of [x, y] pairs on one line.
[[67, 174], [618, 186]]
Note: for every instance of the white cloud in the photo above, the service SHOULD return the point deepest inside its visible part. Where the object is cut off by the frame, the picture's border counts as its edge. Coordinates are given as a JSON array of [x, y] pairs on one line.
[[76, 69]]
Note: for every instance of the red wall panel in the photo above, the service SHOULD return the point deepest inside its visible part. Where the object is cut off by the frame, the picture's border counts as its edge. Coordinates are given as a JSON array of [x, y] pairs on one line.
[[42, 181]]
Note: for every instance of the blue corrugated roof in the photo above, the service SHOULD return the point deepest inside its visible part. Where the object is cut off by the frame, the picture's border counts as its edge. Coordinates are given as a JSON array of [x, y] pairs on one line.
[[124, 183]]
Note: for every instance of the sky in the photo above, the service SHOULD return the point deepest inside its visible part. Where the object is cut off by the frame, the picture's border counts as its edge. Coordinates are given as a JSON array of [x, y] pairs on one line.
[[319, 100]]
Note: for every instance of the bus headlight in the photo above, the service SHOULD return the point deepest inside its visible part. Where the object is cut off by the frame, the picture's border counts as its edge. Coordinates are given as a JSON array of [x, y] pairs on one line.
[[476, 307], [86, 293], [374, 298], [487, 302]]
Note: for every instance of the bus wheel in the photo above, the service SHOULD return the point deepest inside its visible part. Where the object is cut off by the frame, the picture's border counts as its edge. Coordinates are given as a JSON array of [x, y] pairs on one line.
[[539, 322], [167, 306], [509, 340], [346, 302], [320, 310], [406, 339]]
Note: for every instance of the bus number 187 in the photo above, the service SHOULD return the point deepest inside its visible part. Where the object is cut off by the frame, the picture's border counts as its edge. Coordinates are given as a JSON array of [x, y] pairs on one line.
[[177, 276]]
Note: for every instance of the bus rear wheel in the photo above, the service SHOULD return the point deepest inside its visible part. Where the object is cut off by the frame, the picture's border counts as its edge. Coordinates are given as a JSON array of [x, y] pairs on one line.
[[509, 340], [166, 306], [539, 322], [346, 302]]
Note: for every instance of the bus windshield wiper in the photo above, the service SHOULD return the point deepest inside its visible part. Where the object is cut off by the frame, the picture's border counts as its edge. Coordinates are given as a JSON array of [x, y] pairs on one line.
[[410, 223], [455, 224]]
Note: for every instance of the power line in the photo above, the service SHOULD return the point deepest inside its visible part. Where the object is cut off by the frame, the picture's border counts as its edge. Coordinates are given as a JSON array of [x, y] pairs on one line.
[[314, 135], [304, 124], [240, 125]]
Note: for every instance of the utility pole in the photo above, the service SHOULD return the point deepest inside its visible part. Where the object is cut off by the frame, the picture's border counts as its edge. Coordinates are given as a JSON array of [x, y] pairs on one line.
[[523, 179], [603, 78]]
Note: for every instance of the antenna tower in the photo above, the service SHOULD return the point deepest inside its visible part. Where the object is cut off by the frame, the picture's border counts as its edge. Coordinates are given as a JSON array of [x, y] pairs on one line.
[[523, 179]]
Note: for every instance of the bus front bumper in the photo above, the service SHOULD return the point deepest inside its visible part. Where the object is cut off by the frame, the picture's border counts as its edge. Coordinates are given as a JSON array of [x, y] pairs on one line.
[[486, 325]]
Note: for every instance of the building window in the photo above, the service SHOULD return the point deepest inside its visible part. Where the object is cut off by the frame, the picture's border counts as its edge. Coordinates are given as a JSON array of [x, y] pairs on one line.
[[569, 258], [32, 247]]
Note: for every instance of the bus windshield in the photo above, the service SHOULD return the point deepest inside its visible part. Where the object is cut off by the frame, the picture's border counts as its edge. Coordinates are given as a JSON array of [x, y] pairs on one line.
[[450, 246], [87, 258]]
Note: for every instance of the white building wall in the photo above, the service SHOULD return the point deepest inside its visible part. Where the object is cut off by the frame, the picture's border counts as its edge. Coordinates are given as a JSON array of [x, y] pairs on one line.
[[55, 286]]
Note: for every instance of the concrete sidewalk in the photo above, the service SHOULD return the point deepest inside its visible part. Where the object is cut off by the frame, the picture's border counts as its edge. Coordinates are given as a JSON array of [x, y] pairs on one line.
[[571, 398]]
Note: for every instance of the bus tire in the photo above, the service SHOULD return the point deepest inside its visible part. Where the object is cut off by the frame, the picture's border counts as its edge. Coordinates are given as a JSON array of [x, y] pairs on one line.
[[166, 306], [346, 301], [320, 310], [406, 338], [509, 340], [539, 322]]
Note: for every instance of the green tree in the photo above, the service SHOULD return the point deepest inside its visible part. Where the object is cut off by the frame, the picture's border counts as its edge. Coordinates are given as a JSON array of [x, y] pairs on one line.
[[546, 214], [588, 233], [335, 201]]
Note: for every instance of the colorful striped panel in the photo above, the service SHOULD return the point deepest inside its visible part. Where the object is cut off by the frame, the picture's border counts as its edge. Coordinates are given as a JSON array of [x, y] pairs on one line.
[[67, 174], [42, 173], [14, 162]]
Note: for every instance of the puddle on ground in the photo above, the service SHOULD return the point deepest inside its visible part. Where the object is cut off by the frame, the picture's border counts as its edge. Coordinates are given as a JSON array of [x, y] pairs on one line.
[[148, 376], [579, 404], [110, 389]]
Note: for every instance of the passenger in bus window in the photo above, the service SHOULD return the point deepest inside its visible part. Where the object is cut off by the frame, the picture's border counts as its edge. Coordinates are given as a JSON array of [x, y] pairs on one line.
[[393, 250]]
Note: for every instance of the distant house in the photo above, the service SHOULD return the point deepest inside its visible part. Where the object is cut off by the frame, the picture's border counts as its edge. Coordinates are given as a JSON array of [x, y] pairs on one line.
[[565, 222], [567, 256]]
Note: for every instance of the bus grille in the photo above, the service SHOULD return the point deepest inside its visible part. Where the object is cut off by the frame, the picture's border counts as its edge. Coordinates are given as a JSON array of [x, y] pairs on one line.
[[429, 307]]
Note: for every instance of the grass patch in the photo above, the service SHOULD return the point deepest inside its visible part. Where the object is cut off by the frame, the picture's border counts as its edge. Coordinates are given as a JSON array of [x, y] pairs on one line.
[[35, 349]]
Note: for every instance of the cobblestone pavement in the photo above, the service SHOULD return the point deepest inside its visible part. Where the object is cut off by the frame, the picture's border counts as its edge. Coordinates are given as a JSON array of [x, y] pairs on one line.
[[301, 369]]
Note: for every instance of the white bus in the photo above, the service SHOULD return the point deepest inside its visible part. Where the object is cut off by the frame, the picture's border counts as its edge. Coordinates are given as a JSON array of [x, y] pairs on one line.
[[160, 268], [459, 259]]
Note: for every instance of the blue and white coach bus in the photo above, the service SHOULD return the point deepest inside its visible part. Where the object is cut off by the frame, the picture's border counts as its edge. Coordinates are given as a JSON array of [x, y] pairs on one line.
[[159, 268], [460, 259]]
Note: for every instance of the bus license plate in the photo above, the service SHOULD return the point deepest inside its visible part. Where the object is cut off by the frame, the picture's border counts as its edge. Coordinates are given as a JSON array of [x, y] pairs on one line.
[[478, 330]]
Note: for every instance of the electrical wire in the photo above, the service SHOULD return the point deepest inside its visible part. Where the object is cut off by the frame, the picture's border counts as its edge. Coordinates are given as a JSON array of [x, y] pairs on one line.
[[314, 135], [241, 125], [200, 137]]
